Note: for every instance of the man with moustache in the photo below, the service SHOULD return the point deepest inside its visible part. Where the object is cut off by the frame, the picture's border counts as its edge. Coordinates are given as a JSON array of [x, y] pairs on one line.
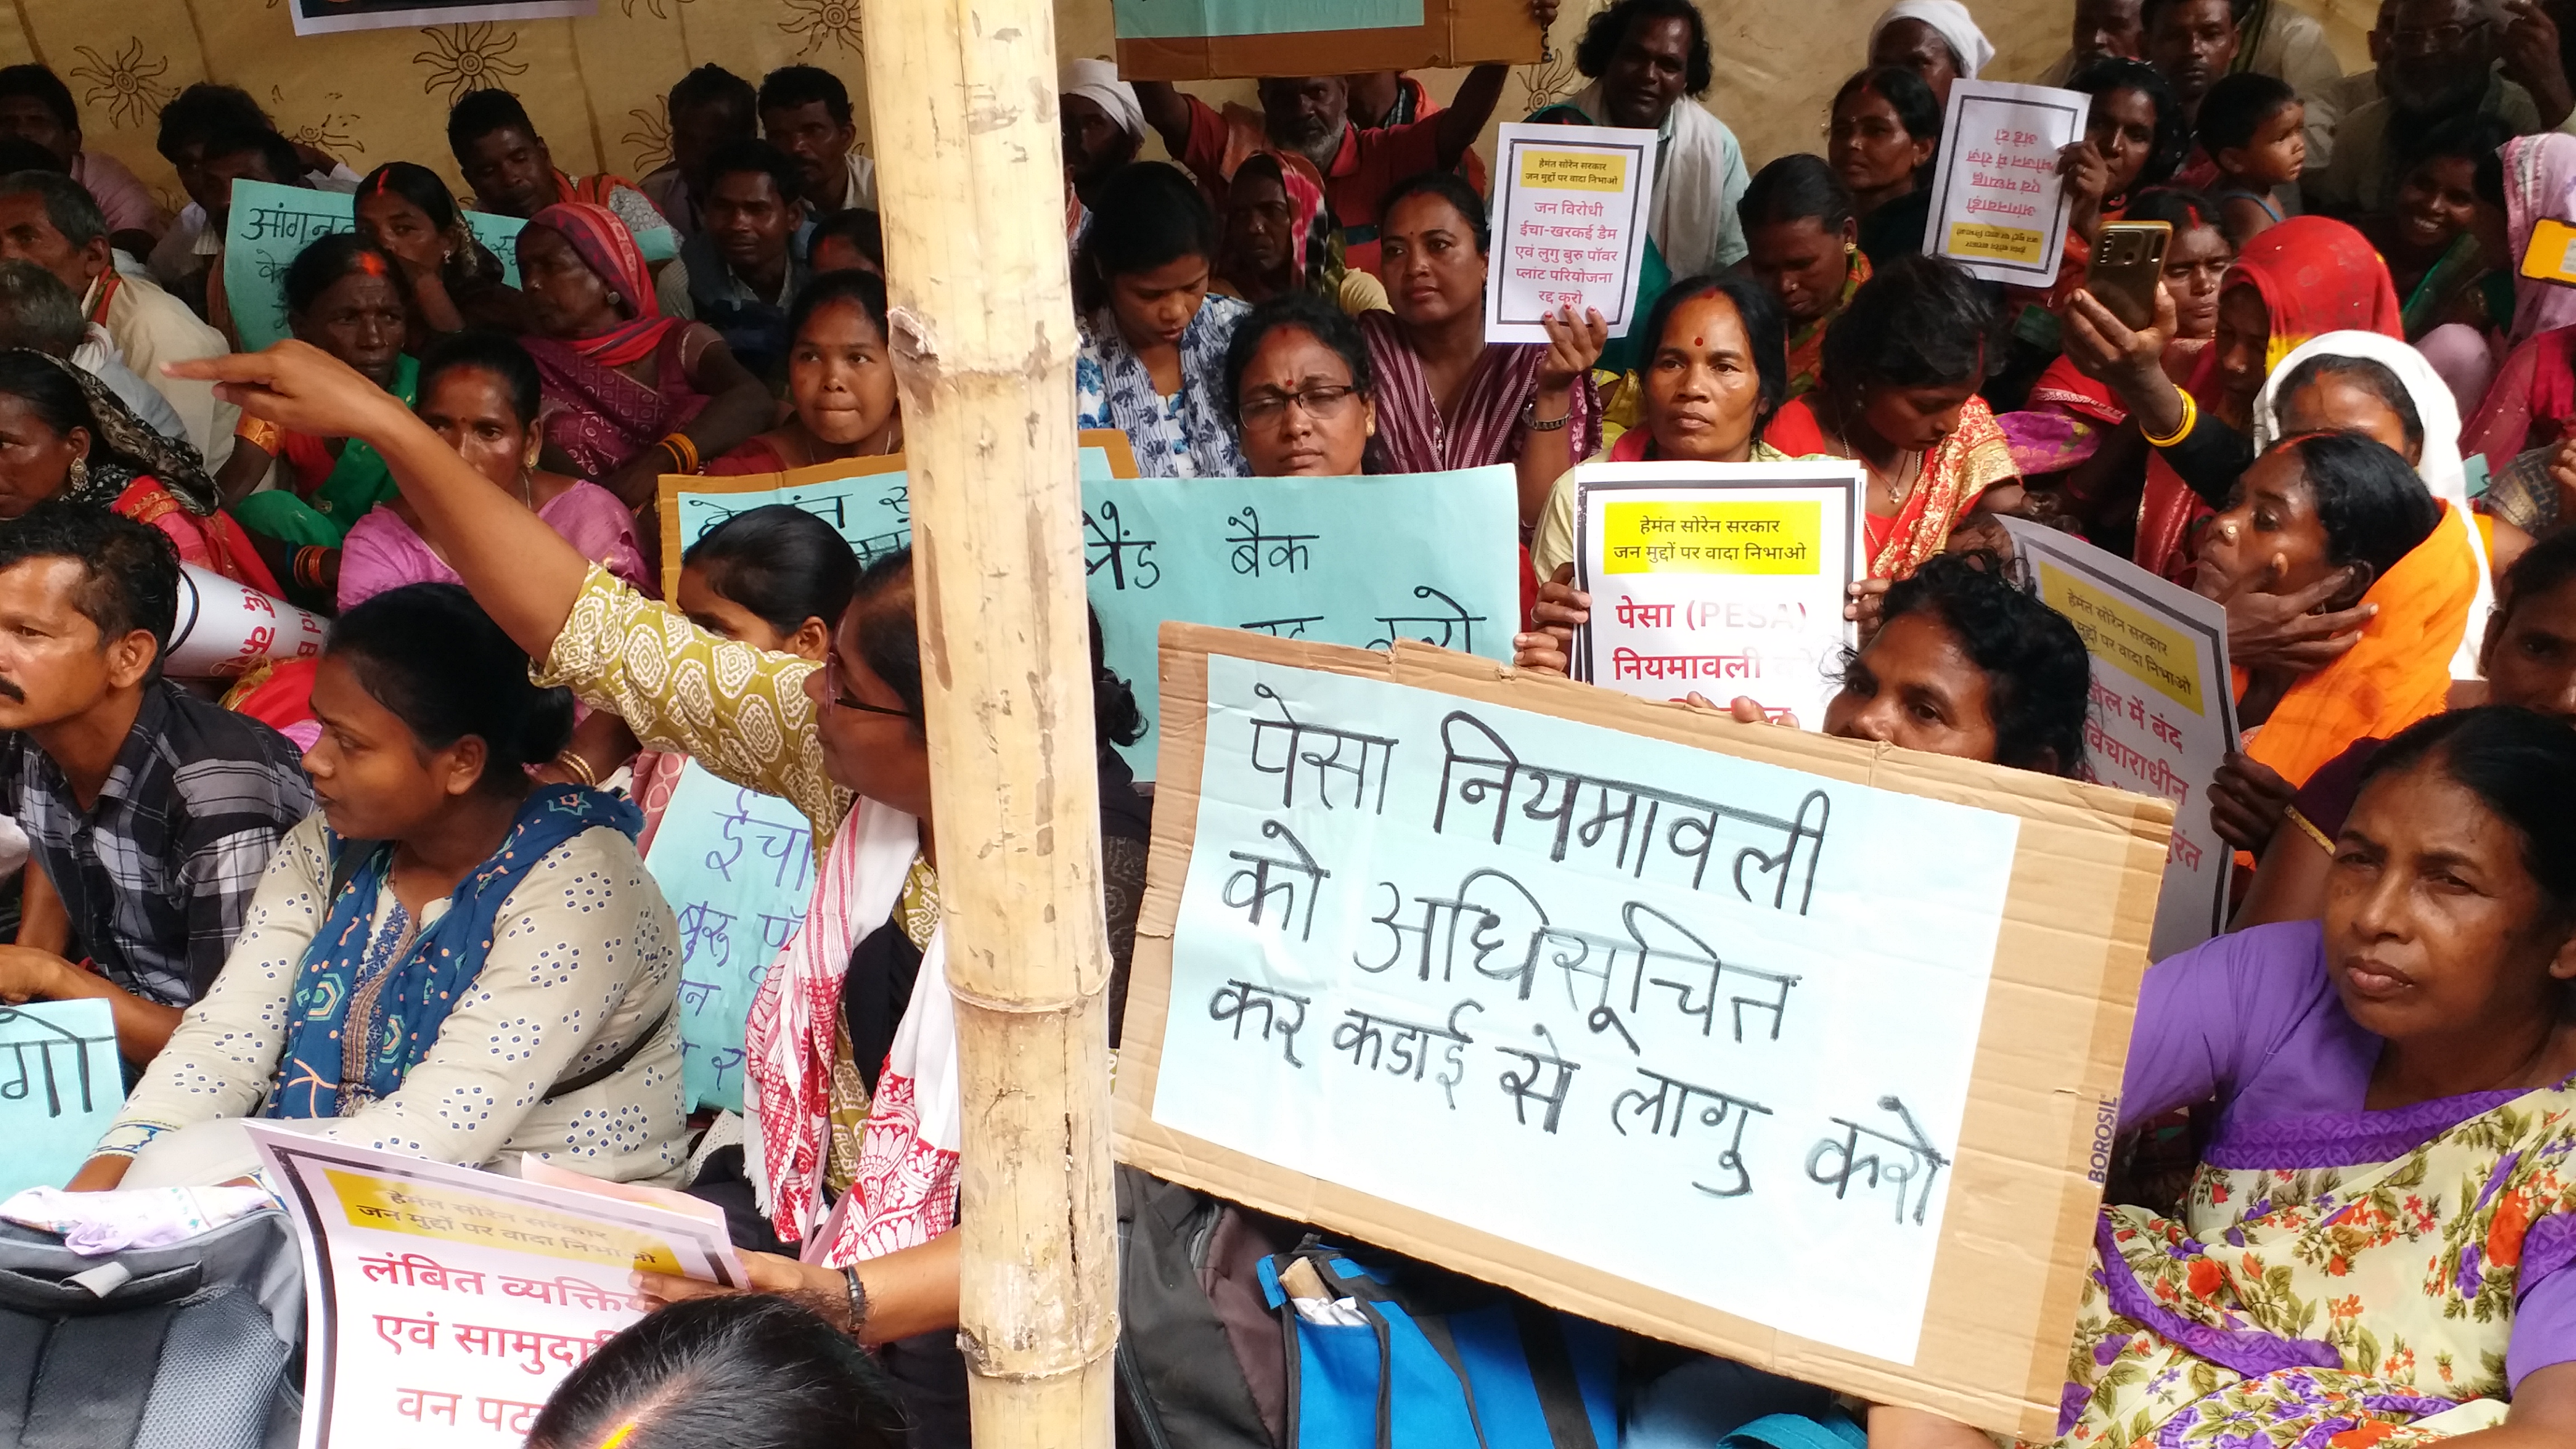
[[151, 812], [2437, 61]]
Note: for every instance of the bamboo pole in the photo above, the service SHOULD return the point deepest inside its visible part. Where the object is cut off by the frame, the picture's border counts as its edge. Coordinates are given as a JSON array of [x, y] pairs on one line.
[[970, 180]]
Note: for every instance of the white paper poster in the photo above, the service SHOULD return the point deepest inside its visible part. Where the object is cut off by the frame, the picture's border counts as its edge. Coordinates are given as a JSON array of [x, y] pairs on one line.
[[444, 1304], [1998, 207], [2163, 710], [1704, 1023], [1720, 579], [1571, 206]]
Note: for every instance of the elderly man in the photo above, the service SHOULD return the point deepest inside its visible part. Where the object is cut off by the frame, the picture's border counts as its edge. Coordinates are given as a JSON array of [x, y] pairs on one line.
[[1104, 125], [2440, 62], [52, 221], [39, 313]]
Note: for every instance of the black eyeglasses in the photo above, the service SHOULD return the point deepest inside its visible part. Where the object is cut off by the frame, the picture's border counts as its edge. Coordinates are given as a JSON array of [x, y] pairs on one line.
[[839, 697], [1320, 403]]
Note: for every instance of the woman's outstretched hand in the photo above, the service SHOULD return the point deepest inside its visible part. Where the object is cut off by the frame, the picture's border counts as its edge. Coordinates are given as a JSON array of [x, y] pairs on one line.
[[299, 386]]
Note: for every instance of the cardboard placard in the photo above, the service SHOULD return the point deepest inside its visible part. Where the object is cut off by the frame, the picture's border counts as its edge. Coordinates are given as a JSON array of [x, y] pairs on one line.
[[1721, 579], [1998, 206], [1905, 1050], [60, 1089], [738, 869], [1451, 33], [867, 500], [2163, 711], [1300, 558], [443, 1303], [1571, 207]]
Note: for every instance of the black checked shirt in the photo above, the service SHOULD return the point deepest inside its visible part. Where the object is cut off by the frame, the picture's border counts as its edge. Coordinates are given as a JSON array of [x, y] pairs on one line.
[[159, 874]]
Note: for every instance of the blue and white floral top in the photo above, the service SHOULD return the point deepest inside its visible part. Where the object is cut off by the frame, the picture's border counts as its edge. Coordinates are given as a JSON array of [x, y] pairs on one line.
[[1187, 435]]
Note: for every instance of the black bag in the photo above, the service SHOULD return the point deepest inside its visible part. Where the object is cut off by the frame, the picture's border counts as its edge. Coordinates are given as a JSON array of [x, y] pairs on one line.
[[1202, 1359], [196, 1345]]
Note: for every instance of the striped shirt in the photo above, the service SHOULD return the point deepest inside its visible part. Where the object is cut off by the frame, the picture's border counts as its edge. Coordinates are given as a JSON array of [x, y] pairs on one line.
[[158, 875]]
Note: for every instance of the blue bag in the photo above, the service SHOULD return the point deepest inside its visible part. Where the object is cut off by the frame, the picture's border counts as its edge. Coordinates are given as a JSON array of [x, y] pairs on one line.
[[1418, 1356]]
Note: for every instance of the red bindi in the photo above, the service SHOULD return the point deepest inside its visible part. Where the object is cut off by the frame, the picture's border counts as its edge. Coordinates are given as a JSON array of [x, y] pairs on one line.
[[1699, 342]]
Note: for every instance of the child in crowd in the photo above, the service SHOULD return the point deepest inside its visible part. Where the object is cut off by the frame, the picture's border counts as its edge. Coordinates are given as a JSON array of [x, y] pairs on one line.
[[2250, 126]]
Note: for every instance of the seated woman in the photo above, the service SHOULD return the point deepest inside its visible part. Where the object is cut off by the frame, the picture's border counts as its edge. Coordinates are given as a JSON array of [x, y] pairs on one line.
[[2345, 510], [496, 969], [2070, 417], [455, 281], [2529, 661], [1303, 393], [481, 394], [2385, 1204], [1902, 369], [2534, 395], [344, 295], [1803, 243], [67, 436], [839, 378], [2306, 276], [631, 394], [845, 745], [1448, 399], [755, 1372], [1278, 237], [1153, 339], [1885, 129]]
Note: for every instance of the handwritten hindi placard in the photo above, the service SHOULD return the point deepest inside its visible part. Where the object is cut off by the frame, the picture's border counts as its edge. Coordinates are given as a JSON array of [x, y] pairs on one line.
[[2163, 711], [443, 1303], [868, 501], [1571, 207], [1720, 579], [1793, 1049], [738, 868], [60, 1088], [270, 226], [1364, 561], [1998, 206]]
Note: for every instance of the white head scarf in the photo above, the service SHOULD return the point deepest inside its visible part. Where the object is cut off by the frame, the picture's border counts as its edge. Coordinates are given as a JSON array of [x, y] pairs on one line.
[[1097, 81], [2439, 467], [1955, 25]]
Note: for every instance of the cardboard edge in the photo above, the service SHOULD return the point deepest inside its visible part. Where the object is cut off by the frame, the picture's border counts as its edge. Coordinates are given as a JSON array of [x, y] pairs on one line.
[[2132, 827]]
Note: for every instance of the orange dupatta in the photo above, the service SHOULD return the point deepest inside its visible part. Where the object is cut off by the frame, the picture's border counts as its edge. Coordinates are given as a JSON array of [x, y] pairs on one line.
[[2314, 276], [2399, 673]]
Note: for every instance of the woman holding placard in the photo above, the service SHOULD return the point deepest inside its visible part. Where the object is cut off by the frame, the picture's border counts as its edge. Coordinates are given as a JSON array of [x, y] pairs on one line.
[[1902, 369], [1446, 397]]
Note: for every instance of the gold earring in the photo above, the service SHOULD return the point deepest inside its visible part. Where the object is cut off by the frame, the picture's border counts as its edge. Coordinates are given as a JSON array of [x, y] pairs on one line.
[[80, 474]]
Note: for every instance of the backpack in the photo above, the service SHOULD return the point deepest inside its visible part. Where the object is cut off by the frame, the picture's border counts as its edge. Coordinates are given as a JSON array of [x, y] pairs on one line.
[[1243, 1331], [194, 1345]]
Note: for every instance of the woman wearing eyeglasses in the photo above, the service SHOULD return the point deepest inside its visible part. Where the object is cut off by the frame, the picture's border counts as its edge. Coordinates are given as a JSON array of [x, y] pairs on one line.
[[1297, 376], [851, 1048]]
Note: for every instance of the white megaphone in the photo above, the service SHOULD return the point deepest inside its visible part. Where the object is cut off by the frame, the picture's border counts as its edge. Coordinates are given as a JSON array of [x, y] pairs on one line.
[[225, 628]]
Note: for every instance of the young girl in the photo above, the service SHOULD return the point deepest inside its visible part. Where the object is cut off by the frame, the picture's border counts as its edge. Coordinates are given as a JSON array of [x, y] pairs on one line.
[[839, 378]]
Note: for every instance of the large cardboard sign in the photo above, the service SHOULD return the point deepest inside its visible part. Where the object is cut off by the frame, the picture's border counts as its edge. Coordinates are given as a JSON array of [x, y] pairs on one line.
[[1797, 1050], [1182, 40]]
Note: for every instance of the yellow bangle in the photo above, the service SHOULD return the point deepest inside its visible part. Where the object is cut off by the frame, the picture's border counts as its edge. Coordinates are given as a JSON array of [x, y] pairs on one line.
[[577, 767], [2182, 430]]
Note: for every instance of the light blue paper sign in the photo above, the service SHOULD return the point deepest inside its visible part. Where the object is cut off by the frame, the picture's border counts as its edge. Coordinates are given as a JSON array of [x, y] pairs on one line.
[[738, 868], [1363, 561], [871, 510], [1192, 19], [1701, 1022], [269, 226], [60, 1088]]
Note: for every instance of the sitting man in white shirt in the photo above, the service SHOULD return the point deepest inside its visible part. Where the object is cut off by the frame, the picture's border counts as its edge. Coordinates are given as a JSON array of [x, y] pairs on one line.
[[38, 312], [48, 219]]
